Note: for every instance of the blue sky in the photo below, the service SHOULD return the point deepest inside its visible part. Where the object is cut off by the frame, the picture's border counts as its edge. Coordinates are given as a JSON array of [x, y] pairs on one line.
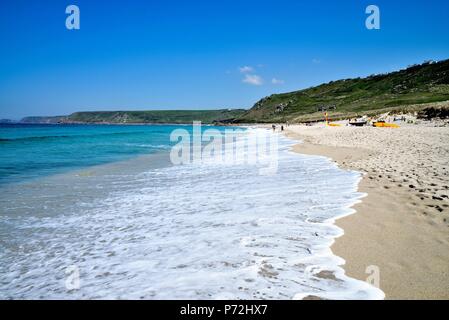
[[188, 54]]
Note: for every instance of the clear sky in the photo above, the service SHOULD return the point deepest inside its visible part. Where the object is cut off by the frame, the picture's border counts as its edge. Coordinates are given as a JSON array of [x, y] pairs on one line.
[[162, 54]]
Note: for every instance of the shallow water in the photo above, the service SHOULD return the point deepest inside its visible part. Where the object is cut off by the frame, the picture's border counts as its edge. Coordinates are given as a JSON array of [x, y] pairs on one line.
[[144, 229], [35, 150]]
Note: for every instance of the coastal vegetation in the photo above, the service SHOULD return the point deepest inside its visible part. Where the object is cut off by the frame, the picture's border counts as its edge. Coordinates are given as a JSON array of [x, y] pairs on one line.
[[415, 85]]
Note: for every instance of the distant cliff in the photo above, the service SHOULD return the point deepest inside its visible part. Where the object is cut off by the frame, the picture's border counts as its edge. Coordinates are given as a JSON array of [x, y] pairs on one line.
[[137, 117], [166, 116], [44, 120], [6, 121]]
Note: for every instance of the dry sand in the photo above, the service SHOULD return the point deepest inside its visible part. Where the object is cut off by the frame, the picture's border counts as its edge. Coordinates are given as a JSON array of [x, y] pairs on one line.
[[402, 226]]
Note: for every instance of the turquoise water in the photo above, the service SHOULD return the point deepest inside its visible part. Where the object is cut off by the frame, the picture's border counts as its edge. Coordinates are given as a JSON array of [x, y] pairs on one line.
[[31, 151]]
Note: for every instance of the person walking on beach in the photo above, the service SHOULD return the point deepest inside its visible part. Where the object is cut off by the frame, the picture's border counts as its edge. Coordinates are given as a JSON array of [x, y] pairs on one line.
[[282, 128], [274, 127]]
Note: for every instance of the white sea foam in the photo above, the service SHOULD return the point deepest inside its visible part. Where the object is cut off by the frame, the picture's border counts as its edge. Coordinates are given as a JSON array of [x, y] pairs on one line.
[[205, 231]]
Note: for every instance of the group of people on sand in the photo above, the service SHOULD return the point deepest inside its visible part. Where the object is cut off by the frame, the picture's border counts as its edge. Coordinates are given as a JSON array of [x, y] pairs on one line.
[[273, 126]]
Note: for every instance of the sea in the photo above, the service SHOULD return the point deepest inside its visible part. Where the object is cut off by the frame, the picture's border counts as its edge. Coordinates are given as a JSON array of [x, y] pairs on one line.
[[103, 212]]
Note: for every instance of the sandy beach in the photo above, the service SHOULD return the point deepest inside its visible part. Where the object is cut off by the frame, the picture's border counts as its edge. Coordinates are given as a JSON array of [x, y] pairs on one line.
[[402, 226]]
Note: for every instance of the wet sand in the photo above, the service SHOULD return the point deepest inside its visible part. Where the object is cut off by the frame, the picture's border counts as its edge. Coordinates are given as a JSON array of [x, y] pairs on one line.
[[402, 226]]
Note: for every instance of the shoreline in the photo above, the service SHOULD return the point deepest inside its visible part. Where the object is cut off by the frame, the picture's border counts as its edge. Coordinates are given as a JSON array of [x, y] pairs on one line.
[[390, 229]]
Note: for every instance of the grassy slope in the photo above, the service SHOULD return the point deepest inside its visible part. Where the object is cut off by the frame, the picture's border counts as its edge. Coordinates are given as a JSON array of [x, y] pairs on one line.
[[168, 116], [418, 84]]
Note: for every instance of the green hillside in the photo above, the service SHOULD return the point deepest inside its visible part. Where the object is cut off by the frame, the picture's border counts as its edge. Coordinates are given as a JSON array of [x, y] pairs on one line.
[[167, 116], [425, 83]]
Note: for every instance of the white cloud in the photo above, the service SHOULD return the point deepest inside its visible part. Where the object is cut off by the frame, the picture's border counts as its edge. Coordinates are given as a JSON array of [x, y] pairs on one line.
[[277, 81], [253, 79], [246, 69]]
